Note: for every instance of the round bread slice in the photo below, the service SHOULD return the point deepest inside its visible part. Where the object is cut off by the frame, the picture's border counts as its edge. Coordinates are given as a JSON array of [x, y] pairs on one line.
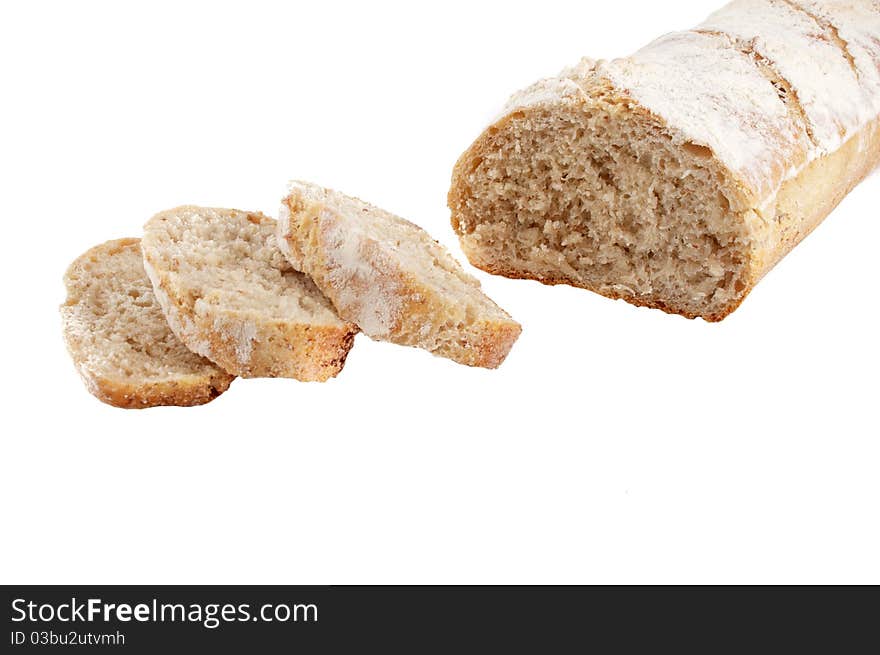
[[229, 294], [391, 278], [119, 340]]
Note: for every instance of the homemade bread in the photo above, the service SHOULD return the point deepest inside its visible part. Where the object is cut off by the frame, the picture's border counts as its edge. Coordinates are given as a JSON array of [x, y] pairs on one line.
[[677, 177], [391, 278], [119, 340], [229, 294]]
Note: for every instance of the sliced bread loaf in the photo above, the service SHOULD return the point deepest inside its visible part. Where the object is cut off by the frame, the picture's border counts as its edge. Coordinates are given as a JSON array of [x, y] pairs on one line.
[[229, 294], [391, 278], [119, 340], [678, 177]]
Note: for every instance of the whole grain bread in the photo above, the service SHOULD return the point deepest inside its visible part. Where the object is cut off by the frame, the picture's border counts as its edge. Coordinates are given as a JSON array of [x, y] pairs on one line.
[[678, 177], [230, 295], [119, 340], [391, 278]]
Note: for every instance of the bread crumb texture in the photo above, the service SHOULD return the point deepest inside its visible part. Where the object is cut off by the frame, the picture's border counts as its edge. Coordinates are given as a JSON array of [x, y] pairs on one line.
[[119, 339], [230, 295], [677, 177], [391, 278]]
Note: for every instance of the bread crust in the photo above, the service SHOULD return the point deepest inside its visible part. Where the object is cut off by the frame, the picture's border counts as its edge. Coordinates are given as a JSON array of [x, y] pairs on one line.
[[183, 390], [245, 345], [805, 200], [778, 199], [178, 393]]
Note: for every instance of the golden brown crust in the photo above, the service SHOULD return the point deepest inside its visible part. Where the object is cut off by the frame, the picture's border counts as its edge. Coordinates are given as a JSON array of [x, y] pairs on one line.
[[514, 274], [179, 393], [493, 346], [803, 202]]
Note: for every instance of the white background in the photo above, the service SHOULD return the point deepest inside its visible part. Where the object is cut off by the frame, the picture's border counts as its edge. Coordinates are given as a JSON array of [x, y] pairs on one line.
[[615, 445]]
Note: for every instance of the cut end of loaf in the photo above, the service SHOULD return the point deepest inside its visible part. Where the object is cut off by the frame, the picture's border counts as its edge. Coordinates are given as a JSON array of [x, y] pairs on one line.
[[599, 195]]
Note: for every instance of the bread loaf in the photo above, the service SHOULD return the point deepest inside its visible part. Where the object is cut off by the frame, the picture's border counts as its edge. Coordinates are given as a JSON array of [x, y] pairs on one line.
[[391, 278], [676, 178], [119, 340], [229, 294]]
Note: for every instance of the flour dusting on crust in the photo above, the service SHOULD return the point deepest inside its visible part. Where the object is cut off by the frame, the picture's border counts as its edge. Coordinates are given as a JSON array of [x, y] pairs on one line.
[[808, 58], [715, 96], [365, 295]]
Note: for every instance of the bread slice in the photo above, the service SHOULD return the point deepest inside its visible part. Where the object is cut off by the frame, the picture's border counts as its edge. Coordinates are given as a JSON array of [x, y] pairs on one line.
[[229, 294], [391, 278], [676, 178], [119, 340]]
